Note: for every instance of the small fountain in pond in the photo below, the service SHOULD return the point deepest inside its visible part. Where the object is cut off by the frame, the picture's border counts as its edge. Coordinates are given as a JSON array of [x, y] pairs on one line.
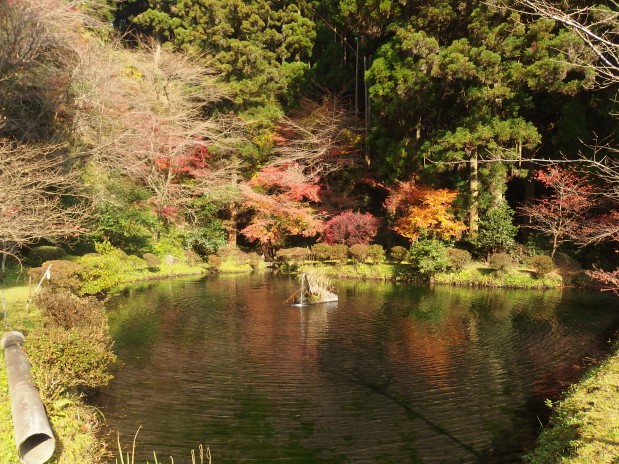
[[314, 289]]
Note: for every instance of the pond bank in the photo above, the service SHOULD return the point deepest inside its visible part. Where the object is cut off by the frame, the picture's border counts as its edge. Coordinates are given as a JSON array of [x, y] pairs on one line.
[[584, 426], [474, 275], [75, 423]]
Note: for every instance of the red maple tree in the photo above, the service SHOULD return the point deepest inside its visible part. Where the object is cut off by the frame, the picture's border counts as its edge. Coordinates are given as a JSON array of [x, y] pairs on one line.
[[563, 213], [350, 228], [281, 199]]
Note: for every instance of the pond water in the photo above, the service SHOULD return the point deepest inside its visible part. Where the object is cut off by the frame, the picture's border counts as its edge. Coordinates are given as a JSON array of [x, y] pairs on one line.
[[390, 374]]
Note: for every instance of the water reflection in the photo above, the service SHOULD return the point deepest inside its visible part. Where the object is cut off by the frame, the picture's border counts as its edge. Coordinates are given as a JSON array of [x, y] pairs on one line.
[[390, 373]]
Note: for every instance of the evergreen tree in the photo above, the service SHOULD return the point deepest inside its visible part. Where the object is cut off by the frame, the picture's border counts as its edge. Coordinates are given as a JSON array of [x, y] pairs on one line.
[[260, 45]]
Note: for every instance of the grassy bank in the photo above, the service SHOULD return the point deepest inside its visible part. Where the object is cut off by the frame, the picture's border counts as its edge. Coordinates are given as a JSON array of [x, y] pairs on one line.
[[584, 427], [75, 424], [480, 275], [476, 274]]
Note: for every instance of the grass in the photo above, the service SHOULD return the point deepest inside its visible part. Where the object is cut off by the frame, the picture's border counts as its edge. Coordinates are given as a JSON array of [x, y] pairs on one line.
[[8, 450], [201, 456], [476, 274], [73, 422], [381, 271], [584, 427]]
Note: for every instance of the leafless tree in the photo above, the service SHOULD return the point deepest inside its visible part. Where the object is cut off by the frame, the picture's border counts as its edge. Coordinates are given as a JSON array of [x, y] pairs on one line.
[[36, 40], [39, 196], [145, 113], [321, 139]]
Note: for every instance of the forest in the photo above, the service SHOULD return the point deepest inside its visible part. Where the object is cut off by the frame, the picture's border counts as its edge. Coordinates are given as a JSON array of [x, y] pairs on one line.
[[187, 127]]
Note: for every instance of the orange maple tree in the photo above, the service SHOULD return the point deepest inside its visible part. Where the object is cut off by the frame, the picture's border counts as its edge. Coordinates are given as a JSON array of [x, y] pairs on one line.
[[419, 209]]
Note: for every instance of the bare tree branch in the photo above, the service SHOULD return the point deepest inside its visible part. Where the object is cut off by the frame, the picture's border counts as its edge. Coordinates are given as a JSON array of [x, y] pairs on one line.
[[39, 198], [321, 140]]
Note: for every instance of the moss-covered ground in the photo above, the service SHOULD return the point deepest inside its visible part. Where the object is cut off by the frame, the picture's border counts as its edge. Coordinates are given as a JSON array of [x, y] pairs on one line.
[[584, 428]]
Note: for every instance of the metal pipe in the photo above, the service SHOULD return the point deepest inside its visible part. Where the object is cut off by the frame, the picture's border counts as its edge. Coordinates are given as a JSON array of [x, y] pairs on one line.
[[33, 434]]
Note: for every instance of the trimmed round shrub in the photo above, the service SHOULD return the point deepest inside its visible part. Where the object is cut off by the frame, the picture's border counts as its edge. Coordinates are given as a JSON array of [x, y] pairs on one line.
[[458, 259], [292, 256], [214, 261], [339, 253], [68, 361], [63, 309], [502, 263], [542, 265], [192, 258], [326, 252], [254, 260], [376, 253], [398, 253], [428, 257], [63, 274], [359, 252], [321, 251], [109, 267]]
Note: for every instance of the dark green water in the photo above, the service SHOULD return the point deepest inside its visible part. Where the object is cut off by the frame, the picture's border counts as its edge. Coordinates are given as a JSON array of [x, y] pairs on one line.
[[390, 374]]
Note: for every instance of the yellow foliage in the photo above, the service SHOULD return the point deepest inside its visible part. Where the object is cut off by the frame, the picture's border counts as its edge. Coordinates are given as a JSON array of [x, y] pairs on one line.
[[424, 209]]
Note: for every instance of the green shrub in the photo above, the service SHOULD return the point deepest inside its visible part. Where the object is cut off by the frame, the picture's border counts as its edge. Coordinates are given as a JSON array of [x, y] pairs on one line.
[[497, 233], [326, 252], [63, 274], [234, 261], [458, 259], [254, 260], [376, 253], [292, 256], [170, 245], [63, 309], [68, 361], [502, 263], [428, 257], [208, 239], [542, 265], [99, 273], [398, 253], [192, 258], [152, 261], [359, 252], [38, 255], [108, 268], [125, 226], [339, 252], [321, 251]]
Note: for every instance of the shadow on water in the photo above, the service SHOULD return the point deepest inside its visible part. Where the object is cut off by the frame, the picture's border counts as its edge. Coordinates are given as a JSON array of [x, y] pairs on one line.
[[382, 390]]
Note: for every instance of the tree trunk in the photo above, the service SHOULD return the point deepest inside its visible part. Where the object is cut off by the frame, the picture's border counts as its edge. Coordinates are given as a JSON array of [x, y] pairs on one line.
[[473, 196], [497, 184], [232, 227]]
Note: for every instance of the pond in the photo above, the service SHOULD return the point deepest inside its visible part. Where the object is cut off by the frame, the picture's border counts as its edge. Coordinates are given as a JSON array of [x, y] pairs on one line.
[[391, 373]]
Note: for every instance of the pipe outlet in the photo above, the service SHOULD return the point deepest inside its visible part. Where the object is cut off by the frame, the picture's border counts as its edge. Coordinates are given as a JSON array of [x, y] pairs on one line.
[[33, 434]]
